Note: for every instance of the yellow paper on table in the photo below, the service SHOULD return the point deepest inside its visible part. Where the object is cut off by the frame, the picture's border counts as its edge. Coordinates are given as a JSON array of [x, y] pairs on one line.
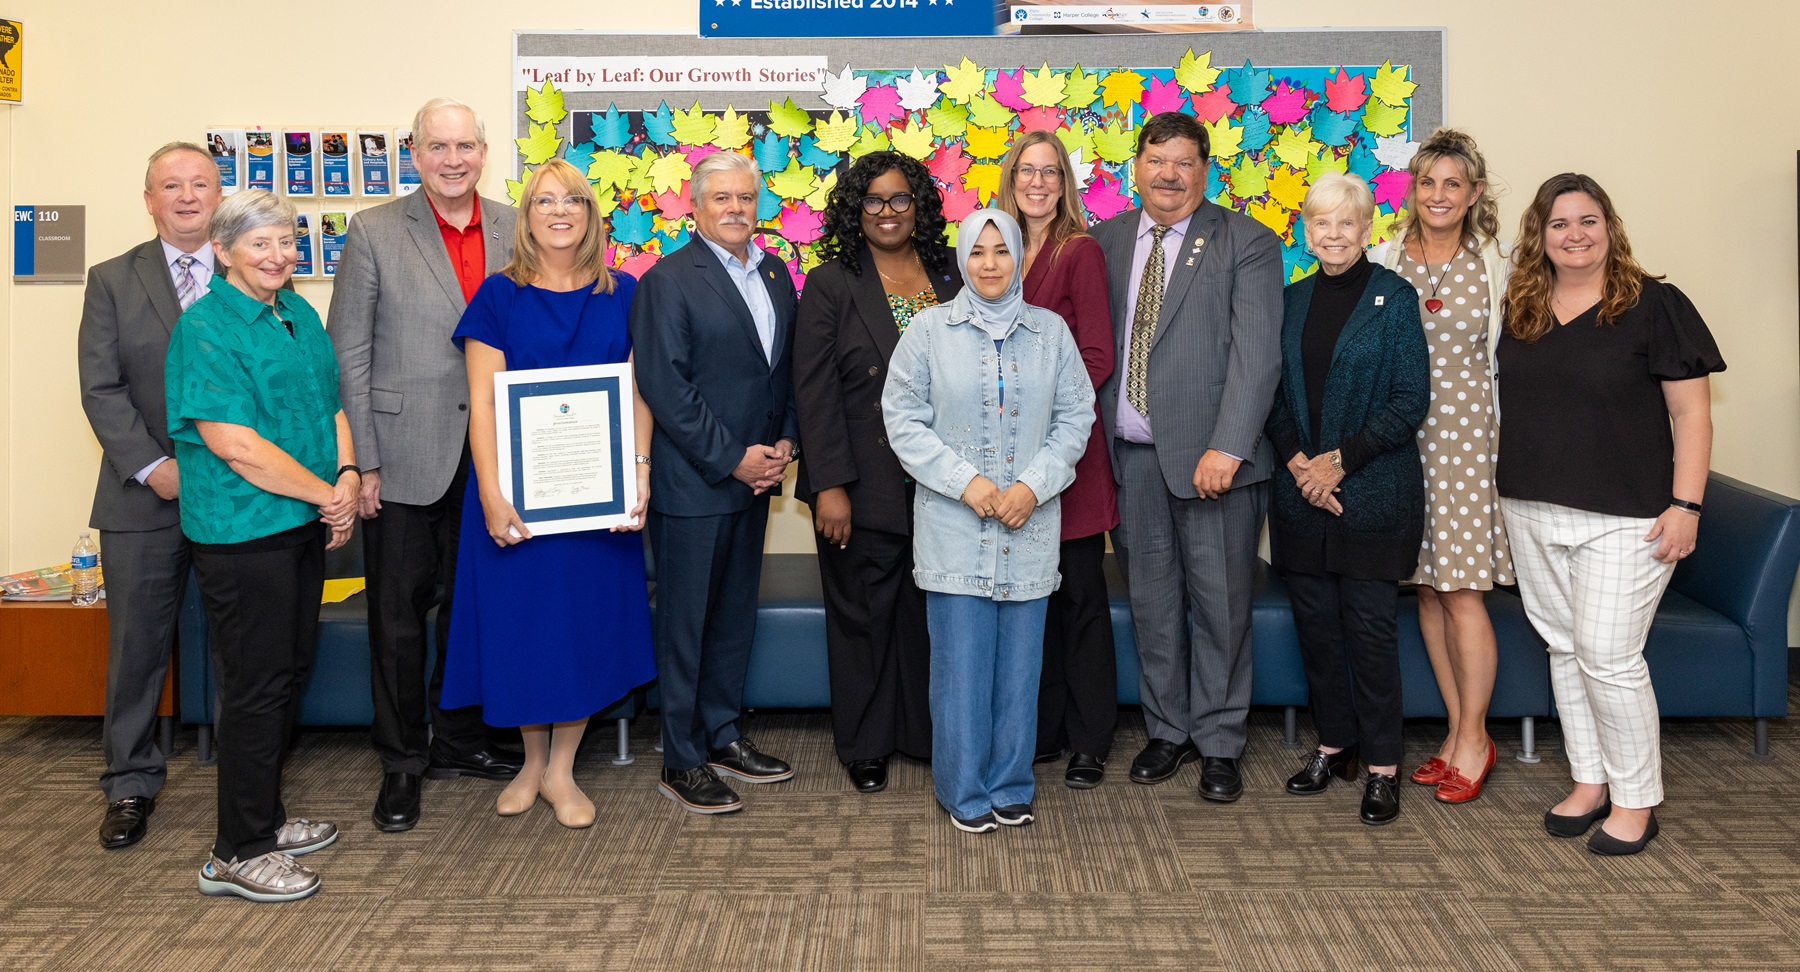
[[340, 589]]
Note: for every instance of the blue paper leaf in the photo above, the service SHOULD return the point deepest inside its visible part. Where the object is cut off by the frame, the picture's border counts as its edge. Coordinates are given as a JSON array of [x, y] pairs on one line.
[[811, 154], [1215, 180], [581, 156], [1362, 163], [673, 241], [768, 205], [632, 225], [1248, 85], [771, 153], [1256, 130], [1334, 128], [1295, 255], [611, 129], [659, 125]]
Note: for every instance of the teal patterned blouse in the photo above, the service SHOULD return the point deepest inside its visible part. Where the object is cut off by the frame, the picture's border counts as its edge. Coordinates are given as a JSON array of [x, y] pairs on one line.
[[231, 360]]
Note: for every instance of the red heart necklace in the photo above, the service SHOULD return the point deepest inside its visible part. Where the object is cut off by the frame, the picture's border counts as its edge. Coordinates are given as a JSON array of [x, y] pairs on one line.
[[1432, 303]]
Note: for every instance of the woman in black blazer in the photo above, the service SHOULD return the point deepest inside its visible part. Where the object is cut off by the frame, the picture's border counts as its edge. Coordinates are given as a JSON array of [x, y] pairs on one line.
[[1349, 504], [885, 261]]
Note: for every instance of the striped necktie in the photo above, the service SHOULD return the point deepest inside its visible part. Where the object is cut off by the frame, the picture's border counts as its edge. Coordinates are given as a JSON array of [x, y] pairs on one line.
[[187, 290], [1143, 325]]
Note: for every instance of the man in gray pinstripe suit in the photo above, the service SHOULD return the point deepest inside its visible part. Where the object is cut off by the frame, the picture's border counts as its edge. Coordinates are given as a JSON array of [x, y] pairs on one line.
[[1200, 356]]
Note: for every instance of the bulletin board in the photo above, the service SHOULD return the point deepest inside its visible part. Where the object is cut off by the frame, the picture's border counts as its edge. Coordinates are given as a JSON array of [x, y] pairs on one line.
[[636, 112]]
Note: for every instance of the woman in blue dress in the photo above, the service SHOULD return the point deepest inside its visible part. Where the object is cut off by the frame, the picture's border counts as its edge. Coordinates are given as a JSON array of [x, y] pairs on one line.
[[547, 630]]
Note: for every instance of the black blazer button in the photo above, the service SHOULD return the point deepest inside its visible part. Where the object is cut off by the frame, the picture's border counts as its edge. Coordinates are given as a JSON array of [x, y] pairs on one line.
[[771, 414], [873, 371], [462, 408], [881, 440]]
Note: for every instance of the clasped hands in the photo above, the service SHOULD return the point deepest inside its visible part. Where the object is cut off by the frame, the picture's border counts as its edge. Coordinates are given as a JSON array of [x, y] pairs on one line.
[[764, 467], [1012, 506], [339, 513], [1318, 480]]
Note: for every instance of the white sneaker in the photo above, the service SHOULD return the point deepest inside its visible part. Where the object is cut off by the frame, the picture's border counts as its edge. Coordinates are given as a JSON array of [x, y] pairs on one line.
[[267, 877], [302, 836]]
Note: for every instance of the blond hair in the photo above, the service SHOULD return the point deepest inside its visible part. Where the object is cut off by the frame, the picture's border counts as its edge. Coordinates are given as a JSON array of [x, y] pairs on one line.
[[1068, 221], [527, 263]]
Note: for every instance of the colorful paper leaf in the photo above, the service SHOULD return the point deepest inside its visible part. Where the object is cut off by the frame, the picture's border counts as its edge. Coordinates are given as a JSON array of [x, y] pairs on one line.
[[1390, 187], [545, 105], [837, 133], [695, 126], [632, 225], [1103, 199], [1390, 85], [963, 81], [821, 196], [640, 181], [1396, 151], [668, 172], [870, 139], [1248, 85], [788, 119], [959, 202], [801, 224], [1042, 88], [1257, 133], [912, 139], [1271, 214], [1287, 105], [1121, 88], [811, 154], [1334, 128], [1382, 118], [1383, 227], [1077, 138], [1079, 89], [516, 188], [659, 125], [1215, 104], [987, 143], [1048, 118], [880, 105], [984, 179], [1196, 74], [673, 205], [1362, 162], [1225, 139], [988, 113], [540, 145], [771, 153], [842, 89], [1345, 92], [694, 153], [948, 164], [1161, 96], [1080, 169], [1009, 89], [1288, 187], [768, 204], [948, 120], [1115, 145], [1249, 179], [580, 156], [1326, 161], [612, 129], [918, 91], [1295, 145], [610, 170], [733, 130], [793, 182]]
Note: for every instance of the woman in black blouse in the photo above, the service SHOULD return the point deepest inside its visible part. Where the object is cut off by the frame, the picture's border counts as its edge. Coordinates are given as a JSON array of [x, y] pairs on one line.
[[886, 260], [1349, 504], [1605, 439]]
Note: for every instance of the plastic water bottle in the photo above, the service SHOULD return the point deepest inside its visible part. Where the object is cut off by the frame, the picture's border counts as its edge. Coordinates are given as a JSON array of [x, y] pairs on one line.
[[84, 563]]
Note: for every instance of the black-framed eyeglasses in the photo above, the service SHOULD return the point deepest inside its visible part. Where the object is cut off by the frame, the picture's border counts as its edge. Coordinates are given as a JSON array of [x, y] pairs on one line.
[[899, 202]]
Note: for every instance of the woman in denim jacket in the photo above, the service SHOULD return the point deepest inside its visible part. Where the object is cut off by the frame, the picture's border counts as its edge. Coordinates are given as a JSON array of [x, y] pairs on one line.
[[988, 407]]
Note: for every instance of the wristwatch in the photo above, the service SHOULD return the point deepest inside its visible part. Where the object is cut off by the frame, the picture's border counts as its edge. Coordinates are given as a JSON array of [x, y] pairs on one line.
[[643, 461], [1337, 461]]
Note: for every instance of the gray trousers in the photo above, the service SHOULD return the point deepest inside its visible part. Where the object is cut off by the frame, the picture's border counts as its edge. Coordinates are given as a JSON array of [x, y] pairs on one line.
[[1190, 565], [146, 579]]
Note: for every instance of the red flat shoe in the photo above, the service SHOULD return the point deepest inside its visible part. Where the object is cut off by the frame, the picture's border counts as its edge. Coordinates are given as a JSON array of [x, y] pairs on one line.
[[1431, 772], [1458, 788]]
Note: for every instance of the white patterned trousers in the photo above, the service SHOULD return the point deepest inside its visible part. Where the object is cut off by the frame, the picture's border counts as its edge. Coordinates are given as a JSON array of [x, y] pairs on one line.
[[1590, 588]]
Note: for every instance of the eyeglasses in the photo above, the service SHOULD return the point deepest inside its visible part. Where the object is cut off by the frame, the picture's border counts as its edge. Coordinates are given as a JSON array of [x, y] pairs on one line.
[[900, 202], [559, 204], [1025, 173]]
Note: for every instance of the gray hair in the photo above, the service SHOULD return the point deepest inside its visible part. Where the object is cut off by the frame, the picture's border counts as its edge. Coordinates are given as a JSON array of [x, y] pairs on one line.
[[436, 105], [716, 163], [170, 149], [1334, 191], [249, 210]]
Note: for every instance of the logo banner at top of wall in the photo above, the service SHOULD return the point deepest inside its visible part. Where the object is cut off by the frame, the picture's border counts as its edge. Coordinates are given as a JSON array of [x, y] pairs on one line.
[[851, 18]]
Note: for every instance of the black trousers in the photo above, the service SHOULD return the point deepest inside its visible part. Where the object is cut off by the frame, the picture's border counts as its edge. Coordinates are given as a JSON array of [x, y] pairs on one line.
[[1078, 697], [878, 646], [708, 575], [409, 554], [262, 617], [1349, 645]]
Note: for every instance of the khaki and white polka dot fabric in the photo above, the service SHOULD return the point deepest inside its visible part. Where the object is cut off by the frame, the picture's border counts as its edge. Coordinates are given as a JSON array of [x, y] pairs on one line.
[[1464, 546]]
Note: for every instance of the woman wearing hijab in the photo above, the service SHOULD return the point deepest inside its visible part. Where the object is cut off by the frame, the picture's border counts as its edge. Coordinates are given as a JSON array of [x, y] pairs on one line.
[[987, 407]]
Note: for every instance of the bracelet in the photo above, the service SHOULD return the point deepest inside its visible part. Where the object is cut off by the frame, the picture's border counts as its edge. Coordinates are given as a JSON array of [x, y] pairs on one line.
[[643, 461], [1682, 504], [349, 467], [1337, 461]]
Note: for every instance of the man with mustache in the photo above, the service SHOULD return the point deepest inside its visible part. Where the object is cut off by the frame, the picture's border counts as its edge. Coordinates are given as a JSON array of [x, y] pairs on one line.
[[1196, 307], [712, 333]]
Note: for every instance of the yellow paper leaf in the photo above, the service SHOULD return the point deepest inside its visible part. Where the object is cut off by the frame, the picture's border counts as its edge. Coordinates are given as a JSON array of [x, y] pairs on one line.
[[1383, 119], [1325, 161], [1043, 87], [545, 105], [988, 113], [1295, 145], [733, 130], [606, 203], [984, 178], [821, 197], [1271, 214], [1080, 89], [1249, 179], [1115, 145], [695, 126], [810, 259], [668, 172], [540, 146], [913, 139], [1121, 88], [1301, 273], [1196, 74], [1288, 187], [963, 81], [836, 133], [1383, 228], [987, 143], [611, 170], [516, 189], [793, 182], [1075, 137], [1390, 85], [640, 181], [870, 139], [1226, 140]]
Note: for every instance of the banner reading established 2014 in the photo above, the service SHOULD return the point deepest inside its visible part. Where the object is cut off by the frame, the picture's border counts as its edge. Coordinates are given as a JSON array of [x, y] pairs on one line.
[[851, 18]]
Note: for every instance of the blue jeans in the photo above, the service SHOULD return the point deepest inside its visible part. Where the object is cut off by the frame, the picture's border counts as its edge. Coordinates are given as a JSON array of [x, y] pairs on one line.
[[986, 657]]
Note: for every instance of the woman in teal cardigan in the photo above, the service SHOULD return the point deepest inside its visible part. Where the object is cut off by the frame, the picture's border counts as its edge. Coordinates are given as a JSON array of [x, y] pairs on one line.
[[1349, 505]]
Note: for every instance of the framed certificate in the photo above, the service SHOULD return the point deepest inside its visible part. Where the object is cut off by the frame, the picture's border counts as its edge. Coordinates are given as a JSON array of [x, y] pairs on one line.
[[563, 437]]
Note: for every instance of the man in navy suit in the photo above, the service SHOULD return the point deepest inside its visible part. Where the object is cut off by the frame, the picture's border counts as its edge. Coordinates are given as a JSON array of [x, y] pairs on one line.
[[712, 332]]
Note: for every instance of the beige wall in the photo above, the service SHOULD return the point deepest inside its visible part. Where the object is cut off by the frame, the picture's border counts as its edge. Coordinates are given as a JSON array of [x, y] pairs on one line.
[[1545, 86]]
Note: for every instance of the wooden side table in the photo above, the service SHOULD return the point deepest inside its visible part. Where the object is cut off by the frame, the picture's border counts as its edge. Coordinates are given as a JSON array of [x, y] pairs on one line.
[[53, 662]]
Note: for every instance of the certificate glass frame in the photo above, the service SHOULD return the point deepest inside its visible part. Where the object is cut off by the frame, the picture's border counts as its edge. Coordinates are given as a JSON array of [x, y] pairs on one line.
[[561, 437]]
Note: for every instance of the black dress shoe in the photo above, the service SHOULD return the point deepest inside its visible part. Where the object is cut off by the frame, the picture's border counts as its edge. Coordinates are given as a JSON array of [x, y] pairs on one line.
[[867, 775], [1085, 772], [1320, 767], [700, 790], [486, 764], [1219, 779], [1557, 825], [1047, 756], [1605, 843], [126, 822], [1381, 799], [1159, 760], [744, 761], [397, 806]]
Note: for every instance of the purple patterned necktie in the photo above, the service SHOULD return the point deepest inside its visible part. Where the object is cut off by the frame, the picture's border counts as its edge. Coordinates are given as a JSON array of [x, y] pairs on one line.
[[187, 289]]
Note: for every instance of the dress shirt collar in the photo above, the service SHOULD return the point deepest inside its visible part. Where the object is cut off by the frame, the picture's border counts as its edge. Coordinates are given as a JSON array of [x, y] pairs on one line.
[[474, 221], [203, 257], [1177, 229], [729, 258]]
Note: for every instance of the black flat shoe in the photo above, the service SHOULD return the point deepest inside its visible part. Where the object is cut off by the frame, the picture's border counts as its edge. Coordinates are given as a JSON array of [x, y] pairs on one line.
[[1161, 759], [1381, 799], [126, 822], [741, 759], [483, 764], [1320, 767], [397, 806], [1220, 781], [1610, 846], [1085, 772], [867, 775], [1047, 756], [1558, 825]]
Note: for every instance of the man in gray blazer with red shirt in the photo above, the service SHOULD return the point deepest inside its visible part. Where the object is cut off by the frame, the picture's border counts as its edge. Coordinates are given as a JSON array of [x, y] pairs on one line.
[[712, 334], [408, 271], [133, 302], [1196, 306]]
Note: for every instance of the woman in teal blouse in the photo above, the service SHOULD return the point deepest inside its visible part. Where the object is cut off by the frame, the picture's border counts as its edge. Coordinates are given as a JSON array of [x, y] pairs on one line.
[[267, 486]]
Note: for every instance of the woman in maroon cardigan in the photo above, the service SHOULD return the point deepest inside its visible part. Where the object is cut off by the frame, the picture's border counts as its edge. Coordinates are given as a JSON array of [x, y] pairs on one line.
[[1065, 272]]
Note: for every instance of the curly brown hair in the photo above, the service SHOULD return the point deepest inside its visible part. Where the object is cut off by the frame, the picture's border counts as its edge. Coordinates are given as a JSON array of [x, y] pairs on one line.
[[1482, 222], [1526, 309], [843, 235]]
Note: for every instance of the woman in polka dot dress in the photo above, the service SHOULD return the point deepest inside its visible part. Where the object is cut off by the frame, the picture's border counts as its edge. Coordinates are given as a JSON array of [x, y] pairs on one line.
[[1447, 248]]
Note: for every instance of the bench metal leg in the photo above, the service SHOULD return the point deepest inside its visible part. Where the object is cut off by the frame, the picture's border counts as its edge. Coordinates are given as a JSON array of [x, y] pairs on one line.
[[165, 735], [1762, 740], [1528, 734], [205, 756], [624, 757], [1290, 728]]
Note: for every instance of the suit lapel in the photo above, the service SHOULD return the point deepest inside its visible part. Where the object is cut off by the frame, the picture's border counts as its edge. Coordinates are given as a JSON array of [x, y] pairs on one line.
[[1193, 255], [1118, 249], [1362, 316], [492, 215], [154, 275], [774, 275], [714, 273], [430, 241], [1293, 378]]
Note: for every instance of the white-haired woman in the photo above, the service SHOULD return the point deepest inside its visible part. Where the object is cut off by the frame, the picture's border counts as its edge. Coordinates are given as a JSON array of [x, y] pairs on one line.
[[268, 484], [1349, 504]]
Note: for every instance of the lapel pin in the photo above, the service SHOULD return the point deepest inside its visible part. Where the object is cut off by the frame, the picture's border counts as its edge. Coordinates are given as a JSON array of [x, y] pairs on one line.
[[1190, 261], [1380, 301], [1199, 241]]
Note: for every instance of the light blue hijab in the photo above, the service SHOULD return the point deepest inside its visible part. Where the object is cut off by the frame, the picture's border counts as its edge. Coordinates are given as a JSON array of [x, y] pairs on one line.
[[996, 317]]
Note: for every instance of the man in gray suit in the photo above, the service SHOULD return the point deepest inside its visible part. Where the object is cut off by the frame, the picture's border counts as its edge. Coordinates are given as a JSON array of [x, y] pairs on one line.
[[1196, 306], [133, 302], [408, 270]]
